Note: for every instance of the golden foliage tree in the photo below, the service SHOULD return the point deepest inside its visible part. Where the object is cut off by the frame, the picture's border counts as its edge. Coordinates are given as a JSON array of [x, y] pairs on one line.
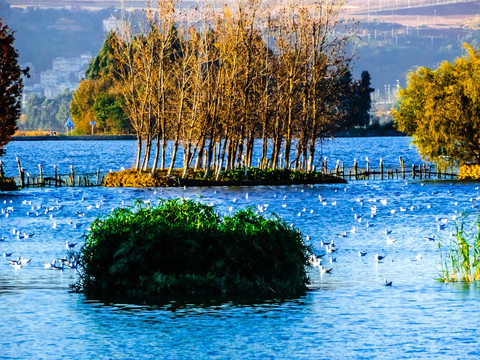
[[247, 72], [440, 109]]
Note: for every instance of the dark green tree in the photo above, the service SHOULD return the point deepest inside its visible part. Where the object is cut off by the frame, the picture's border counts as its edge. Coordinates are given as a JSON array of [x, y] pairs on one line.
[[47, 114], [355, 99], [102, 64], [109, 115], [10, 86], [362, 101]]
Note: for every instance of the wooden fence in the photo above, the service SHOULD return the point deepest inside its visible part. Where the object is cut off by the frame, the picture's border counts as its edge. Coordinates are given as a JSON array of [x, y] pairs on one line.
[[420, 171], [24, 179]]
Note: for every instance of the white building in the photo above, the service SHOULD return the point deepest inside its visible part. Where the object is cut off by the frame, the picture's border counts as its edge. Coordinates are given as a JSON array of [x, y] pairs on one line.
[[112, 23], [66, 73]]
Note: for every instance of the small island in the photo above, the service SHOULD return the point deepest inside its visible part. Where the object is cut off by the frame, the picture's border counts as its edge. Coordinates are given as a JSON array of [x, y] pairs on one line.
[[185, 248], [237, 177]]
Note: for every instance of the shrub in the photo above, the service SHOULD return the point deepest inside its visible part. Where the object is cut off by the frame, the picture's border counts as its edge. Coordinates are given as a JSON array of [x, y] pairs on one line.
[[182, 248], [469, 172], [7, 184]]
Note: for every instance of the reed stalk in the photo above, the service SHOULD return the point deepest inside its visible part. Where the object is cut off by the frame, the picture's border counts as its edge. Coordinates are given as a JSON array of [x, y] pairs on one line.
[[463, 260]]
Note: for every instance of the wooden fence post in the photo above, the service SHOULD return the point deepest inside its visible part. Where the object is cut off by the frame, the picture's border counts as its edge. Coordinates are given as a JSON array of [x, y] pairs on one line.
[[413, 171], [20, 174], [381, 169], [355, 169], [72, 176], [368, 168], [402, 166], [40, 174], [55, 174]]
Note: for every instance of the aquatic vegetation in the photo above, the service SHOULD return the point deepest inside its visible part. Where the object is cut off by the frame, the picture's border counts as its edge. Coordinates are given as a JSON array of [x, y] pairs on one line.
[[183, 248], [275, 175], [463, 260]]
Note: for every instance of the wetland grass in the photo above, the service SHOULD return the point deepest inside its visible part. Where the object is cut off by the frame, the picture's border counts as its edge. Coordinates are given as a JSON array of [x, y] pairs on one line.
[[462, 263], [184, 248]]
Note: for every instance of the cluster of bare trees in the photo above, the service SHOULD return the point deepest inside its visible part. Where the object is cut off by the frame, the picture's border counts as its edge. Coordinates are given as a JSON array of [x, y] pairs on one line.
[[252, 71]]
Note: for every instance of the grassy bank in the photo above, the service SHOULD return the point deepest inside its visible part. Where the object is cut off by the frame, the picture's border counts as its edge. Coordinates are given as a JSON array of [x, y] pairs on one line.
[[185, 248], [251, 176]]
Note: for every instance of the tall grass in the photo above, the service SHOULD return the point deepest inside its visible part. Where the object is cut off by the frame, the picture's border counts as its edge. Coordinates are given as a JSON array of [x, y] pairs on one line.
[[182, 247], [462, 262]]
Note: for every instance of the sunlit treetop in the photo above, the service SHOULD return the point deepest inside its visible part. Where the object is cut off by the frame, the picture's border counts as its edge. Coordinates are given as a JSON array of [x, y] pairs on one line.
[[440, 109]]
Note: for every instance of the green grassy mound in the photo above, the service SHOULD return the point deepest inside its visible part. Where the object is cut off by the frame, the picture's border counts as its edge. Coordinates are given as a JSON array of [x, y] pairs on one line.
[[184, 248]]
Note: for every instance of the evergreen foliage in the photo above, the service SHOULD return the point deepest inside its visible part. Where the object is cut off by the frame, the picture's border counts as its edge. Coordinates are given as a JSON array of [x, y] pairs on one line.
[[182, 247], [47, 114], [11, 86], [440, 109]]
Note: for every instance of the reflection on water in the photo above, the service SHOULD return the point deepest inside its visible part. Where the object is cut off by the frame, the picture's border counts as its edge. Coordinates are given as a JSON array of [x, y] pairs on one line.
[[347, 314]]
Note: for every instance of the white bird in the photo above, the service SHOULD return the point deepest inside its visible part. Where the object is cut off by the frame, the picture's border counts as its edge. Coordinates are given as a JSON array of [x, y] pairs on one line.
[[330, 249], [48, 265], [325, 270], [418, 257], [314, 261], [390, 241], [69, 245], [441, 226]]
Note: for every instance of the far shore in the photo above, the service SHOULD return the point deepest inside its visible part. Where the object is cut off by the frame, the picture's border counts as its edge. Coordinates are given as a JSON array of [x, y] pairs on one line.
[[73, 137], [354, 133]]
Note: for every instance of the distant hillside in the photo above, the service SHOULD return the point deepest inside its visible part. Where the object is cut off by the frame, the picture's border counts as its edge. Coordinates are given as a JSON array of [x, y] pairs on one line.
[[386, 48]]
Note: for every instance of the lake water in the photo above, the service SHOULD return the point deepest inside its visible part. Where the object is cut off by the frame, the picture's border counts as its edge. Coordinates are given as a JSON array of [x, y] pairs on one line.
[[347, 314], [88, 156]]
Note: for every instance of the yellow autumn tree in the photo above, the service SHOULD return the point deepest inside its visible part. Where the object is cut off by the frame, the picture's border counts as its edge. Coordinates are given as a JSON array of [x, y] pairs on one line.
[[440, 109]]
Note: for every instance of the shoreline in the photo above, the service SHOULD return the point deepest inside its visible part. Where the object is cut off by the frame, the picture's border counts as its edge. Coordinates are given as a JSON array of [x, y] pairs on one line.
[[73, 137], [343, 134]]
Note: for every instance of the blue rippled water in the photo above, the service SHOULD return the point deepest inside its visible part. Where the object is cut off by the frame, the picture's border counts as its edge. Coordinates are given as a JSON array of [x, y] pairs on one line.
[[347, 314]]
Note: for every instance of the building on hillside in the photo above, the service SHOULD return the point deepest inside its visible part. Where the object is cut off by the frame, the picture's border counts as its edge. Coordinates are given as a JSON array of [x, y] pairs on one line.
[[66, 73]]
